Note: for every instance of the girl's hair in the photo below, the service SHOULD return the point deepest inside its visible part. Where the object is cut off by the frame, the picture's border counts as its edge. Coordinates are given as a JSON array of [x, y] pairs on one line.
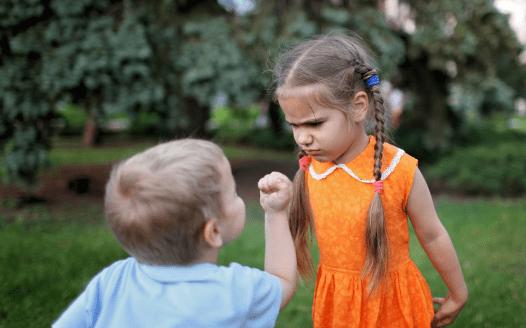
[[332, 69], [158, 201]]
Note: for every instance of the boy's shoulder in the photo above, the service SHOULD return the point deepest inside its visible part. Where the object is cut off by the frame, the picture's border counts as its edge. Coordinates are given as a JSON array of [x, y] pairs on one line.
[[244, 294], [237, 270], [117, 267], [248, 292], [211, 277], [234, 273]]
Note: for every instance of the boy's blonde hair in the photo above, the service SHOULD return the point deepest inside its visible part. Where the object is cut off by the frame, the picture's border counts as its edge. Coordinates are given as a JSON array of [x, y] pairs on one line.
[[158, 201]]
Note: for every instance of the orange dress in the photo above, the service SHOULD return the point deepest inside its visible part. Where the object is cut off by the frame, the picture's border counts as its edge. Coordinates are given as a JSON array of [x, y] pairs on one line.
[[340, 203]]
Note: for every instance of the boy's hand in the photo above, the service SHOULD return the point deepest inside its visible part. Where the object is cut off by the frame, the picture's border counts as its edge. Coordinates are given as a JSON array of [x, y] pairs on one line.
[[275, 192], [448, 310]]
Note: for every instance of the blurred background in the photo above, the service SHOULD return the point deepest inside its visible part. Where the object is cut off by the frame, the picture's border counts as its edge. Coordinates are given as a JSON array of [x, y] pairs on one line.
[[84, 83], [453, 72]]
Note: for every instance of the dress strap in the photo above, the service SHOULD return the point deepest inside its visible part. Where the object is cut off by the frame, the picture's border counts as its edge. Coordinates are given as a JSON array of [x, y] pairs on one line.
[[385, 174]]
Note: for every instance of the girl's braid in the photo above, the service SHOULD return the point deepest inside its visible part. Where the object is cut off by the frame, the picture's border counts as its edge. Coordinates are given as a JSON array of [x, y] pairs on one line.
[[379, 115], [300, 222], [376, 237], [379, 128]]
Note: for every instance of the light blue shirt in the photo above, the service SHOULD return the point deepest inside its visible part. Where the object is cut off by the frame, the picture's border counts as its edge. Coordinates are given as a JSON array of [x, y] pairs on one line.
[[129, 294]]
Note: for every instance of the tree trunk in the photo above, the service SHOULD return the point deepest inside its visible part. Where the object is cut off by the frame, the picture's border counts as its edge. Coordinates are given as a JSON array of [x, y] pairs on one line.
[[431, 112], [90, 130], [380, 5], [196, 115], [433, 101]]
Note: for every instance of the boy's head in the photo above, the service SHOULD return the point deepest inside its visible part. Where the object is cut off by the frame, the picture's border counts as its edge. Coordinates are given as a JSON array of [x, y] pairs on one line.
[[159, 201]]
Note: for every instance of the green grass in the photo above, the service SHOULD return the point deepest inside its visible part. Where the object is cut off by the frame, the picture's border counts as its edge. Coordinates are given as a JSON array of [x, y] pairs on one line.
[[69, 151], [46, 259], [489, 237], [502, 122]]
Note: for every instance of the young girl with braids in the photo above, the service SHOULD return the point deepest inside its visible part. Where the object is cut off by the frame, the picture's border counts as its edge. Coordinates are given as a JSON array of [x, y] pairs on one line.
[[355, 192]]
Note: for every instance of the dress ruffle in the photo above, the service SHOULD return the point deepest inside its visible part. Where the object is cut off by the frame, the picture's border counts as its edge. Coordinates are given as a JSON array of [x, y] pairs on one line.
[[340, 299]]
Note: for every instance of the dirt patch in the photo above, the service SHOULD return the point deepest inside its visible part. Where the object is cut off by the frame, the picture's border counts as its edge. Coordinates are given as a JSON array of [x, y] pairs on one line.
[[71, 185], [248, 173], [75, 184]]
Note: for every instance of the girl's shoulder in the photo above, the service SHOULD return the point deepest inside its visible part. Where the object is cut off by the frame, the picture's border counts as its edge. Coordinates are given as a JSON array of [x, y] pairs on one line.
[[403, 167], [390, 149], [397, 158]]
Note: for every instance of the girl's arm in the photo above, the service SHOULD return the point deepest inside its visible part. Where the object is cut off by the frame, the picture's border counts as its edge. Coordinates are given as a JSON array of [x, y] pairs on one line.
[[438, 246], [280, 254]]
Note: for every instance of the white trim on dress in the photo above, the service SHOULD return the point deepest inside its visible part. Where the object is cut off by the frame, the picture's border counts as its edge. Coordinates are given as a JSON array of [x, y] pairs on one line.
[[385, 174]]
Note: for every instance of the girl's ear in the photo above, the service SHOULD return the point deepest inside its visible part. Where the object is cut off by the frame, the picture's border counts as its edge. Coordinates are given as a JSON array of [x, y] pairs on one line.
[[212, 234], [360, 106]]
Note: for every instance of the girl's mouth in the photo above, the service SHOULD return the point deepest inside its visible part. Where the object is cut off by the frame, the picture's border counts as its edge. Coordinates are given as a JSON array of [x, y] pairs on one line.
[[312, 152]]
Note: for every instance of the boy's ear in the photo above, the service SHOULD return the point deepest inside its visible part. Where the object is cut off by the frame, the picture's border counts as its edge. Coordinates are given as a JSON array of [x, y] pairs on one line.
[[360, 106], [212, 234]]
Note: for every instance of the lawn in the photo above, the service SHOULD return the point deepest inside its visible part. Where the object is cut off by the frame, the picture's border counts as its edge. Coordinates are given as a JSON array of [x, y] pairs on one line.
[[48, 258], [68, 151]]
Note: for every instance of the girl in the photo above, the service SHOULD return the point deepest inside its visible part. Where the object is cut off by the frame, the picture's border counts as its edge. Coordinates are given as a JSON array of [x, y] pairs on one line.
[[355, 192]]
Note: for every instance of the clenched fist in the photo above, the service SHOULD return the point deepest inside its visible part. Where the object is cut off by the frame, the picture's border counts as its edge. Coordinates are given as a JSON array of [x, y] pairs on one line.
[[275, 192]]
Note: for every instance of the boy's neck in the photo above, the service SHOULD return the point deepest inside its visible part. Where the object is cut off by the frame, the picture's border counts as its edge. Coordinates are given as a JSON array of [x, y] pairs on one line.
[[208, 255]]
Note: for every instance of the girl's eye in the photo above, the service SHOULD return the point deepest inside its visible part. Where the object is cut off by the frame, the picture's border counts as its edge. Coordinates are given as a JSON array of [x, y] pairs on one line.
[[311, 124]]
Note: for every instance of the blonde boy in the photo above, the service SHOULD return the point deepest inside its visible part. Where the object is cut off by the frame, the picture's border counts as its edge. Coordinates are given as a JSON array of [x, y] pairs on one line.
[[172, 208]]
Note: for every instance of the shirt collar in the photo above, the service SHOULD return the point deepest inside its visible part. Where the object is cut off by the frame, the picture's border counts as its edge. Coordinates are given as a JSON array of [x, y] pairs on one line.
[[194, 272]]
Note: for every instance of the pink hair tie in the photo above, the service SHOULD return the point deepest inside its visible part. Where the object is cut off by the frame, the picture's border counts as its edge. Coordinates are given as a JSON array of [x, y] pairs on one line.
[[378, 186], [305, 163]]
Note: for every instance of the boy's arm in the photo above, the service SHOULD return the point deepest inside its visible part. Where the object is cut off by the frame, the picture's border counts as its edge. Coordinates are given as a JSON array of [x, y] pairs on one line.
[[280, 254], [438, 246]]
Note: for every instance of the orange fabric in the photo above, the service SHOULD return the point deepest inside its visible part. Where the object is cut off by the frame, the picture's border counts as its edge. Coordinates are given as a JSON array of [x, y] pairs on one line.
[[340, 204]]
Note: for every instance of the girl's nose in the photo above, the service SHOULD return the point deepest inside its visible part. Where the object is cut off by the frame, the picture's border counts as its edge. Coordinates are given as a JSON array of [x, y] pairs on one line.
[[303, 138]]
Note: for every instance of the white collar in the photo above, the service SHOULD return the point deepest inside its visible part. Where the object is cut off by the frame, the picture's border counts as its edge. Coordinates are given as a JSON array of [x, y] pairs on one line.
[[385, 174]]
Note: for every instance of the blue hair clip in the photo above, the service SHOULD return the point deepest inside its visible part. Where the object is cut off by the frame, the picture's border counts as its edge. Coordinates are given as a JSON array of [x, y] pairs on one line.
[[372, 80]]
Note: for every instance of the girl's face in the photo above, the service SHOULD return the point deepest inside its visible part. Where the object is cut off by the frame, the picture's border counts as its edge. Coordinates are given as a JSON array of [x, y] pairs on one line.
[[325, 134]]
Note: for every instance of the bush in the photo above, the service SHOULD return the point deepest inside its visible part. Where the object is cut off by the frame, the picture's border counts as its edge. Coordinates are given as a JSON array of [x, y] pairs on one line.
[[74, 118], [248, 127], [489, 135], [266, 138], [414, 141], [146, 124], [495, 169], [233, 126]]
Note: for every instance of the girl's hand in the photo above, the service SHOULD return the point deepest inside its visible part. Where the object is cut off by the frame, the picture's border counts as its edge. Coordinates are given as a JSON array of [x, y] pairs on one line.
[[448, 310], [275, 192], [280, 254]]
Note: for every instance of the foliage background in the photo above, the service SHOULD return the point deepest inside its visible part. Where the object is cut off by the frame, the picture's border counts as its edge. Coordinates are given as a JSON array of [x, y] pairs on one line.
[[172, 60]]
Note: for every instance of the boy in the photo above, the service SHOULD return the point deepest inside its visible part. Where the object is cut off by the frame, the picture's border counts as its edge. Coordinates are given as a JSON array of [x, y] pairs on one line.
[[172, 208]]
